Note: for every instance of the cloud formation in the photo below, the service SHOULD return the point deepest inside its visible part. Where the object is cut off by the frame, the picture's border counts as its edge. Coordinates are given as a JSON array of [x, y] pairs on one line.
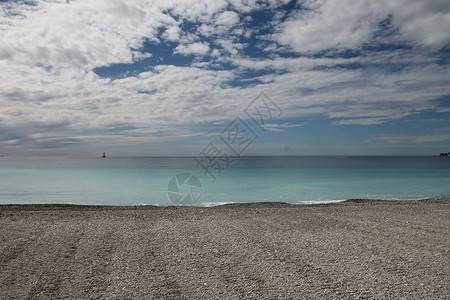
[[342, 25], [170, 65]]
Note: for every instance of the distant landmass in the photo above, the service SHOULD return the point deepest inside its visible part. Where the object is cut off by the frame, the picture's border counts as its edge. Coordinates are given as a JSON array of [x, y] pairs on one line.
[[445, 154]]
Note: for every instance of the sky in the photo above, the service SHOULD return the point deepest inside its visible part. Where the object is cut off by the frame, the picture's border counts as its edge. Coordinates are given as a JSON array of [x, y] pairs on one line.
[[242, 77]]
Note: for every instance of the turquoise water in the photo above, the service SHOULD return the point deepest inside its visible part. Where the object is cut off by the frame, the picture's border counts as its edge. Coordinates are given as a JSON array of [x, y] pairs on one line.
[[145, 180]]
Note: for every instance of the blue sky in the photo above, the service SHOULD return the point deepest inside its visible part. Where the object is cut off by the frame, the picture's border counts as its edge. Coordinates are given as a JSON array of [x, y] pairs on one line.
[[169, 77]]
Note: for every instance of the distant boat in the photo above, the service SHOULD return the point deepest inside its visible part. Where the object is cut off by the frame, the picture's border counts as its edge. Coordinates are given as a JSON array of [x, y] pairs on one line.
[[104, 155]]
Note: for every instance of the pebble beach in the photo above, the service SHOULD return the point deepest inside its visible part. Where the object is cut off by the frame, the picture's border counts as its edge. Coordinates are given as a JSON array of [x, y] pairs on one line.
[[356, 249]]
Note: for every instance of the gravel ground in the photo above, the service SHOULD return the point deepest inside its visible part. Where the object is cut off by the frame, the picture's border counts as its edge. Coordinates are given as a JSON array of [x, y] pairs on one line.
[[357, 249]]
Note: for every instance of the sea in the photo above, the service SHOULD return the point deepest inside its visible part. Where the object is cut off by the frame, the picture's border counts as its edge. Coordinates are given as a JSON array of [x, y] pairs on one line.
[[165, 181]]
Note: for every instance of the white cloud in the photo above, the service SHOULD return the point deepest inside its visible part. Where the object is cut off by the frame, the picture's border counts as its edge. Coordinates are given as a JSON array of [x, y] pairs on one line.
[[346, 24], [82, 35], [172, 33], [334, 24], [281, 126], [413, 139], [215, 53], [230, 47], [195, 10], [137, 55], [424, 23], [251, 5], [206, 30], [199, 48], [227, 18]]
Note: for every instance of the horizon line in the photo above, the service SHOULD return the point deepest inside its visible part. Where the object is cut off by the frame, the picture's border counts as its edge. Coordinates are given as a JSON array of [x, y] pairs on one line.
[[233, 156]]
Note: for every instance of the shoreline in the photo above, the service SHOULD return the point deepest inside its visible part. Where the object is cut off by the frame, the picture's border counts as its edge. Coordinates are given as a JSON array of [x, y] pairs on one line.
[[357, 249], [264, 204]]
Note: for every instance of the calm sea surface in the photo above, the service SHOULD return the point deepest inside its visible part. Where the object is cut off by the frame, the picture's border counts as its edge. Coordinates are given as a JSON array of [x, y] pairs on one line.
[[146, 180]]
